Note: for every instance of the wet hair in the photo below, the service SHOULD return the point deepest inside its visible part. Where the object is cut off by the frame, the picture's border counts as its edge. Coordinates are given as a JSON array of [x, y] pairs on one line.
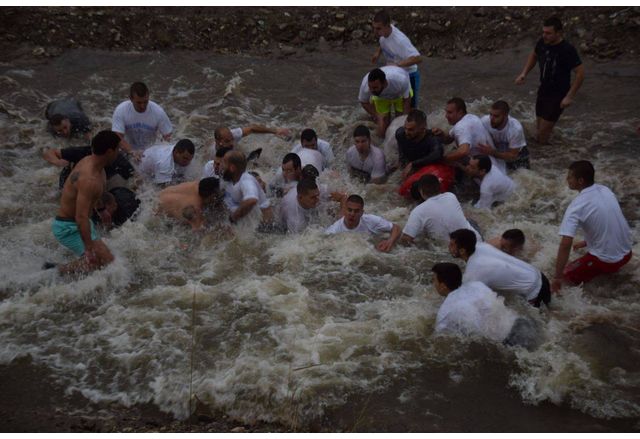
[[449, 274], [220, 152], [208, 186], [57, 119], [417, 116], [376, 75], [484, 162], [459, 103], [218, 132], [501, 106], [237, 159], [138, 89], [516, 236], [185, 145], [104, 141], [429, 184], [553, 22], [305, 185], [292, 157], [583, 169], [354, 198], [308, 134], [382, 17], [466, 239], [362, 131], [310, 171]]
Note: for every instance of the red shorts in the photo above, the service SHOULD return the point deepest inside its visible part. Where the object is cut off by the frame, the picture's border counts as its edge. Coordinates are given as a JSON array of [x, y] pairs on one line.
[[587, 267]]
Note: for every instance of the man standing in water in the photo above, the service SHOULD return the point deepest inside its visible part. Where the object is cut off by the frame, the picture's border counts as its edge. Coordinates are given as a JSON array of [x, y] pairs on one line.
[[72, 226], [556, 58], [606, 231]]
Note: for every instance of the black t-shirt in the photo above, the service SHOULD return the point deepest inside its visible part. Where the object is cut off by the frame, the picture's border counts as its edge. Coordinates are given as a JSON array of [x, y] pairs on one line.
[[70, 108], [426, 151], [74, 154], [127, 205], [556, 63]]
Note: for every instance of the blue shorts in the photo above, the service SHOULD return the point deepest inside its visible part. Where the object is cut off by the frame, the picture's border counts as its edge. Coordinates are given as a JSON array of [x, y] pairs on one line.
[[67, 233]]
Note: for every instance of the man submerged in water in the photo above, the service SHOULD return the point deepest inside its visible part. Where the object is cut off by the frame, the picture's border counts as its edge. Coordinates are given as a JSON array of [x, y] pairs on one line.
[[73, 226]]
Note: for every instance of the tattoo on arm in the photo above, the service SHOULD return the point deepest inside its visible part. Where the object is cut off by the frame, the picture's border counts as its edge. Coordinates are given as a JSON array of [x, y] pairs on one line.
[[189, 213], [74, 177]]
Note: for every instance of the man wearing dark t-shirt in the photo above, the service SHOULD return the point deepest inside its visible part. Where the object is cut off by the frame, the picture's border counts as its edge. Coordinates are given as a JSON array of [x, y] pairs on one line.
[[68, 157], [67, 119], [417, 146], [556, 58]]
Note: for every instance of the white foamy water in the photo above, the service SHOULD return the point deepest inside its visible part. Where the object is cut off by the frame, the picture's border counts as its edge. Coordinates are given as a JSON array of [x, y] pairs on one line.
[[291, 328]]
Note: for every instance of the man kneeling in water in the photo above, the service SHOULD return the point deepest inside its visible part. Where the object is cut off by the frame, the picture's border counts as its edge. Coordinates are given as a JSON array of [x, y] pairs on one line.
[[73, 227], [187, 202], [474, 309]]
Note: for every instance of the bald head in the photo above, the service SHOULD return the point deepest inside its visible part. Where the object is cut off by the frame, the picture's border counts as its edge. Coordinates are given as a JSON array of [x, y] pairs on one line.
[[223, 137]]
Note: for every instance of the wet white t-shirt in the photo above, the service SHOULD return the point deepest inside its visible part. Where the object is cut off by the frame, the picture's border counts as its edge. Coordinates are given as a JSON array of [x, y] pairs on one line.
[[311, 157], [398, 85], [246, 188], [158, 166], [597, 212], [495, 186], [374, 163], [140, 129], [474, 309], [209, 170], [438, 217], [502, 272], [509, 137], [323, 147], [470, 130], [291, 214], [397, 47], [373, 224]]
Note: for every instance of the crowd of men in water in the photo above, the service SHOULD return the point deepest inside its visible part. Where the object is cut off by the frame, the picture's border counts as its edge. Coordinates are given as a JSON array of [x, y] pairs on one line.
[[97, 181]]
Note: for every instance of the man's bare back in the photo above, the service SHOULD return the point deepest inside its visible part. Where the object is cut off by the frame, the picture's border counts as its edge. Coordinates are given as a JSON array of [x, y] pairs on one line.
[[85, 184], [183, 203]]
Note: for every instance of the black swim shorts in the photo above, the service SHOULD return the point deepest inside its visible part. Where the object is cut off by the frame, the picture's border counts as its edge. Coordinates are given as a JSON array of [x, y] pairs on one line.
[[548, 107]]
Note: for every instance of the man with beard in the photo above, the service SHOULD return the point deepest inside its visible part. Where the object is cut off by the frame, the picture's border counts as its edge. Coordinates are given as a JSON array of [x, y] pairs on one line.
[[510, 150], [383, 90], [242, 190], [417, 146]]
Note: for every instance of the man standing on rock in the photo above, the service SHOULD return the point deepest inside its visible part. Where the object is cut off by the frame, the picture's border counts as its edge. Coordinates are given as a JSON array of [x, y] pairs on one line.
[[398, 51], [556, 58]]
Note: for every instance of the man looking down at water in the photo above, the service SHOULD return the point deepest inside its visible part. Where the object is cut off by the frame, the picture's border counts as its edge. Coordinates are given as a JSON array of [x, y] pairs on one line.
[[67, 119], [309, 145], [225, 137], [72, 226], [513, 243], [417, 146], [355, 220], [438, 216], [242, 192], [398, 51], [474, 309], [510, 150], [289, 176], [299, 206], [556, 58], [497, 270], [365, 160], [188, 202], [138, 120], [383, 90], [607, 234], [495, 187], [167, 164]]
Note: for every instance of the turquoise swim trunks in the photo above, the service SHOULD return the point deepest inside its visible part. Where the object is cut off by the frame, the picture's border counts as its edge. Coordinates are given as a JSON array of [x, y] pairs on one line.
[[67, 233]]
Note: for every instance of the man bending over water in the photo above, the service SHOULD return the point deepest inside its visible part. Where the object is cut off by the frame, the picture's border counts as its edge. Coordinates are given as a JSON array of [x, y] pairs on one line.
[[72, 226], [188, 201]]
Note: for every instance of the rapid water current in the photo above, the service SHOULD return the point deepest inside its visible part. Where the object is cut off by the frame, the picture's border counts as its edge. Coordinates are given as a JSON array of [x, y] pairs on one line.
[[311, 331]]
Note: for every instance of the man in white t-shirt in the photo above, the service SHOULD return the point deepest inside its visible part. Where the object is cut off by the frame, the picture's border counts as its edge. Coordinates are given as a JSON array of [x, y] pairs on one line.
[[467, 132], [497, 270], [242, 192], [474, 309], [309, 140], [300, 206], [438, 216], [383, 90], [365, 160], [139, 120], [607, 235], [289, 175], [228, 137], [167, 164], [495, 187], [398, 51], [213, 168], [510, 150], [355, 220]]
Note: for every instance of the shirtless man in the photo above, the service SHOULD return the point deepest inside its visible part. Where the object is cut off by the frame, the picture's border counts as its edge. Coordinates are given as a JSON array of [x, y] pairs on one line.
[[188, 201], [84, 187]]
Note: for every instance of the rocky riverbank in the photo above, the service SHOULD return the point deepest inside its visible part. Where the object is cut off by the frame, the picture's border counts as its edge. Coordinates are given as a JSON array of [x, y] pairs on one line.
[[599, 32]]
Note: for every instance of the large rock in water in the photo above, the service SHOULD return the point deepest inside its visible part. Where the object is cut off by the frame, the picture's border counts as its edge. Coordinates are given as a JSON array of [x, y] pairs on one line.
[[390, 145]]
